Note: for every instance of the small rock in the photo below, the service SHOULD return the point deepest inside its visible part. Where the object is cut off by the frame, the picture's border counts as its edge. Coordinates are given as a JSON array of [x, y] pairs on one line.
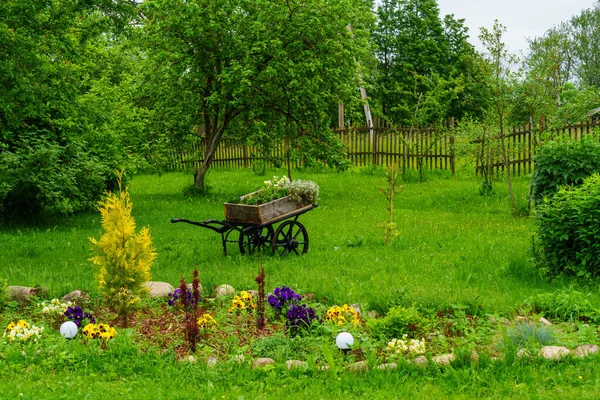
[[421, 360], [224, 290], [74, 295], [310, 296], [253, 293], [356, 307], [291, 364], [191, 287], [553, 352], [373, 314], [359, 366], [19, 293], [262, 362], [159, 289], [545, 322], [585, 350], [212, 361], [474, 357], [387, 367], [523, 353], [444, 359]]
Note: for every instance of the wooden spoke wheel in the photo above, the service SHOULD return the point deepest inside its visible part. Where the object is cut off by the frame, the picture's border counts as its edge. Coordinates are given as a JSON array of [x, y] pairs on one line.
[[251, 239], [290, 237]]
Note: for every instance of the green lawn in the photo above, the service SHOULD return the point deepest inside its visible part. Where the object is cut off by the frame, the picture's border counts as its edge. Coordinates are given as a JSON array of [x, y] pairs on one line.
[[456, 249]]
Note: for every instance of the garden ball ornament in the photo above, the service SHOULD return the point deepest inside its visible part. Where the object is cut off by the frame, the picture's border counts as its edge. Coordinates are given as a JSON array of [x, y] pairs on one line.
[[68, 330], [344, 340]]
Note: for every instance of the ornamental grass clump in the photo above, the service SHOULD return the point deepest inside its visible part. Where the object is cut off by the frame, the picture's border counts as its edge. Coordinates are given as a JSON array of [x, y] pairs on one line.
[[22, 331], [123, 257]]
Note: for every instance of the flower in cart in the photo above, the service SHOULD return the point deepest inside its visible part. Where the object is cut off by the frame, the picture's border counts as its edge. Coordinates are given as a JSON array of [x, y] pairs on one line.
[[242, 301]]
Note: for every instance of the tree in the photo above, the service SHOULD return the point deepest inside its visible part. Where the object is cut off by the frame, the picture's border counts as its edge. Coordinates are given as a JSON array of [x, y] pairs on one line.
[[422, 56], [585, 33], [215, 63], [499, 64], [51, 157]]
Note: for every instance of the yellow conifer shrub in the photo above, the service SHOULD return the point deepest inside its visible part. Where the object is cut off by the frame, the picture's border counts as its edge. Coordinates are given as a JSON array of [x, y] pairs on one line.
[[123, 257]]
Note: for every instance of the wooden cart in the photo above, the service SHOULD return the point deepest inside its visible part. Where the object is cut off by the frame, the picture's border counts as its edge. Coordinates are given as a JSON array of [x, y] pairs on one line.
[[272, 226]]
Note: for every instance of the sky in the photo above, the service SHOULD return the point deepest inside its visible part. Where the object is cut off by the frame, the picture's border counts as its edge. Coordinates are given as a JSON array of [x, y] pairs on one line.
[[522, 18]]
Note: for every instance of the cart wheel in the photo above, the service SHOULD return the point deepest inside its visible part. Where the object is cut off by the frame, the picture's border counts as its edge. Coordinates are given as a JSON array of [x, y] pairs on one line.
[[290, 236], [253, 238]]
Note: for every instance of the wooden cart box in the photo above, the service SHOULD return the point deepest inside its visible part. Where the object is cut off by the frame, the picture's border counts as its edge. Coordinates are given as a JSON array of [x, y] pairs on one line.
[[260, 214]]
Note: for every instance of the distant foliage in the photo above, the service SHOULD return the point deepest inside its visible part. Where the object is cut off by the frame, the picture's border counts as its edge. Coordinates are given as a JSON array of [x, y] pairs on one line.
[[565, 304], [564, 162], [568, 230], [123, 257]]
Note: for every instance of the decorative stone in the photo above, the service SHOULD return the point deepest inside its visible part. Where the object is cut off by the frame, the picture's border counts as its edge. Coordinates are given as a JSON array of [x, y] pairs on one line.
[[190, 287], [421, 360], [74, 295], [159, 289], [387, 367], [585, 350], [224, 290], [373, 314], [19, 293], [474, 357], [292, 364], [253, 293], [356, 307], [553, 352], [444, 359], [262, 362], [545, 322], [359, 366], [212, 361]]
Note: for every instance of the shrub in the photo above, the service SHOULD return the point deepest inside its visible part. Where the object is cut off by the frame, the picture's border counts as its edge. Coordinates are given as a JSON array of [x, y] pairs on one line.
[[3, 293], [568, 230], [398, 322], [564, 162], [122, 256]]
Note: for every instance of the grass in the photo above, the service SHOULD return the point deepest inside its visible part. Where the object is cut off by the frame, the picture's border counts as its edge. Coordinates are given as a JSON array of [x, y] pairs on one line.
[[457, 251], [455, 245]]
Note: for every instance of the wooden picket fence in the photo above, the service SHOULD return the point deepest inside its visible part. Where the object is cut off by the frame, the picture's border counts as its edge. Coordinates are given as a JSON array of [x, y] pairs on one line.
[[523, 141], [382, 145]]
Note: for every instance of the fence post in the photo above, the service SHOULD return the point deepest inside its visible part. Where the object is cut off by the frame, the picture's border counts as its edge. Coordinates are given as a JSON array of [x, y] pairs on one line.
[[452, 155]]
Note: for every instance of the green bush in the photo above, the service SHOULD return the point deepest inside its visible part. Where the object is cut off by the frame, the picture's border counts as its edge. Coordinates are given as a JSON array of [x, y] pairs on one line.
[[568, 230], [398, 321], [564, 162]]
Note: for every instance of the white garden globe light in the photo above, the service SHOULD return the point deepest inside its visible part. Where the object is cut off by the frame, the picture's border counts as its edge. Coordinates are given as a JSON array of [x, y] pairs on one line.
[[344, 340], [69, 330]]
